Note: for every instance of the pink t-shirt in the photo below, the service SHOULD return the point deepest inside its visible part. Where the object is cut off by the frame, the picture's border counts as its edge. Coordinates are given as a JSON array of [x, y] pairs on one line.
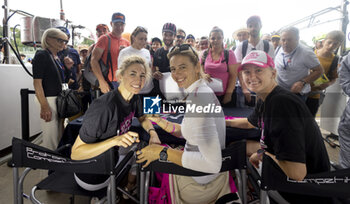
[[218, 69]]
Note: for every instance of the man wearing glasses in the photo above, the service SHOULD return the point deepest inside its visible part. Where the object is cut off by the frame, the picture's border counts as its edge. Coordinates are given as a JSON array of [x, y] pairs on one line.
[[297, 66], [180, 37], [100, 51]]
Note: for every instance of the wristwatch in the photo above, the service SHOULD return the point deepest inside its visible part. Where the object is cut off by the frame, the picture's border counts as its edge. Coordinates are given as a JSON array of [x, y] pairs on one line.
[[163, 155]]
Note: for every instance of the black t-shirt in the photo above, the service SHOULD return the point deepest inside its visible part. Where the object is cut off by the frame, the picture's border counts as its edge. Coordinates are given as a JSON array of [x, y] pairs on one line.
[[109, 115], [291, 132], [160, 59], [67, 74], [45, 69]]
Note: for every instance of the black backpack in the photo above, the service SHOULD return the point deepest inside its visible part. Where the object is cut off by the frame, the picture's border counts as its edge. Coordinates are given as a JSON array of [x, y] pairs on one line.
[[245, 47], [333, 67], [105, 68], [205, 55]]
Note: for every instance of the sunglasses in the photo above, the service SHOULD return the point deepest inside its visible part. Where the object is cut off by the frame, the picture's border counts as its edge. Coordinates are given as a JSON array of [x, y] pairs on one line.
[[184, 47], [180, 36], [59, 40]]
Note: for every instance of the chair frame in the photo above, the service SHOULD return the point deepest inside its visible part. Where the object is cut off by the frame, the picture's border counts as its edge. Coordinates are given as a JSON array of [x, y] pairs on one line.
[[26, 154], [230, 161]]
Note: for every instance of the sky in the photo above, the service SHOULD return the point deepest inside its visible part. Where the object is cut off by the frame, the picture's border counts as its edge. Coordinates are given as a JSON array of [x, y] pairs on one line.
[[195, 17]]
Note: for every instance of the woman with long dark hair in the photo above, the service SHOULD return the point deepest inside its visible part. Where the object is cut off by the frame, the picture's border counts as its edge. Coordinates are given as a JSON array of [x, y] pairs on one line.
[[217, 64]]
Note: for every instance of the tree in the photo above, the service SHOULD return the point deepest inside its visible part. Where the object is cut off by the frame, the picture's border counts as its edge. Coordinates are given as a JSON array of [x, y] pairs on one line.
[[230, 43], [17, 38], [87, 41]]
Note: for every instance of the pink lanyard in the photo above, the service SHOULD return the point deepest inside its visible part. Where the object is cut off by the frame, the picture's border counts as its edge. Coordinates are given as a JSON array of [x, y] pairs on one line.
[[262, 127]]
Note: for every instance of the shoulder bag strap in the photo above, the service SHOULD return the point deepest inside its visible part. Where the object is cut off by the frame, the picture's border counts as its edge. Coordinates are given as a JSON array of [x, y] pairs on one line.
[[226, 56], [244, 48], [204, 56], [56, 67], [266, 46], [109, 57]]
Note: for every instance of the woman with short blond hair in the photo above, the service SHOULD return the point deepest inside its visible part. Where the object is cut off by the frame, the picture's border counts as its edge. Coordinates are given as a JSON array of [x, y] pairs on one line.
[[47, 85]]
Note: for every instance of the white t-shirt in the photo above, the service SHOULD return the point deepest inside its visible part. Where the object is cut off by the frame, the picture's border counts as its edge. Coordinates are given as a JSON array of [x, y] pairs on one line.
[[128, 51], [259, 46], [295, 66], [204, 133]]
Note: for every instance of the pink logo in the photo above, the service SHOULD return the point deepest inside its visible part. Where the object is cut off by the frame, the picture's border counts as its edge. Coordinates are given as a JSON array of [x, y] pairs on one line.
[[126, 124], [252, 55]]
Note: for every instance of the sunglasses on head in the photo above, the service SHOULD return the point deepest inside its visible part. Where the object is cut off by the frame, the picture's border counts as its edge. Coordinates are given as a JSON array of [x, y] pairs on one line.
[[184, 47]]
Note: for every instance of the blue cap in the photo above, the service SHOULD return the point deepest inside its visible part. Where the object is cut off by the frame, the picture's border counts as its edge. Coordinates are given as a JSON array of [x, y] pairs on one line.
[[190, 36], [118, 17], [64, 29]]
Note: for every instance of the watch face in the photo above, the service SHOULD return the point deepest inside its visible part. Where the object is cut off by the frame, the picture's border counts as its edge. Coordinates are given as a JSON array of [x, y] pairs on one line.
[[163, 156]]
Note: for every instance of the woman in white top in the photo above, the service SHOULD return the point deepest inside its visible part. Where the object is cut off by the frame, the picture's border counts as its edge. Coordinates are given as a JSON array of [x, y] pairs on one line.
[[204, 134], [138, 40]]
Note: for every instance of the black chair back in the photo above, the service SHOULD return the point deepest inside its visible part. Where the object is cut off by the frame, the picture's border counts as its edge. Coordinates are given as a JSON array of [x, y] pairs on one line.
[[26, 154], [233, 157], [328, 184]]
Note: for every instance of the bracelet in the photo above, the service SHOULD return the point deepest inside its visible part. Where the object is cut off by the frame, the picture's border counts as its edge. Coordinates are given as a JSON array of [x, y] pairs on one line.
[[149, 131], [173, 129]]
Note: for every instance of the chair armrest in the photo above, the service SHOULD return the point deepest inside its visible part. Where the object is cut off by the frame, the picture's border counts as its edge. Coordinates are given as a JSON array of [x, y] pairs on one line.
[[63, 148]]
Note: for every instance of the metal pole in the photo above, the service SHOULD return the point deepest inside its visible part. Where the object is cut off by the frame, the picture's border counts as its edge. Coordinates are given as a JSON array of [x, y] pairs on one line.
[[244, 185], [25, 114], [73, 35], [344, 22], [6, 33], [62, 15], [15, 185], [142, 187]]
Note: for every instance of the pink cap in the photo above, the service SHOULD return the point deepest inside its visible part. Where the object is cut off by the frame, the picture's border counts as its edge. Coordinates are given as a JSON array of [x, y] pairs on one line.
[[258, 58]]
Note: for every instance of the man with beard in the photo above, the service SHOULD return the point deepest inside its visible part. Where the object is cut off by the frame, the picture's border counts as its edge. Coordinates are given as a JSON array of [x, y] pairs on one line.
[[254, 42], [161, 61]]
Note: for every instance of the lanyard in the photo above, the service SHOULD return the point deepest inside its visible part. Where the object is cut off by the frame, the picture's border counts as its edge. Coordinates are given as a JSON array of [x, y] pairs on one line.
[[262, 136], [289, 60], [262, 127]]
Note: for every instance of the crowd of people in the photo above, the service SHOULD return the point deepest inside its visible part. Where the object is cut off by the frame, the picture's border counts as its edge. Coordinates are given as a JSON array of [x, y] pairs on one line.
[[281, 78]]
